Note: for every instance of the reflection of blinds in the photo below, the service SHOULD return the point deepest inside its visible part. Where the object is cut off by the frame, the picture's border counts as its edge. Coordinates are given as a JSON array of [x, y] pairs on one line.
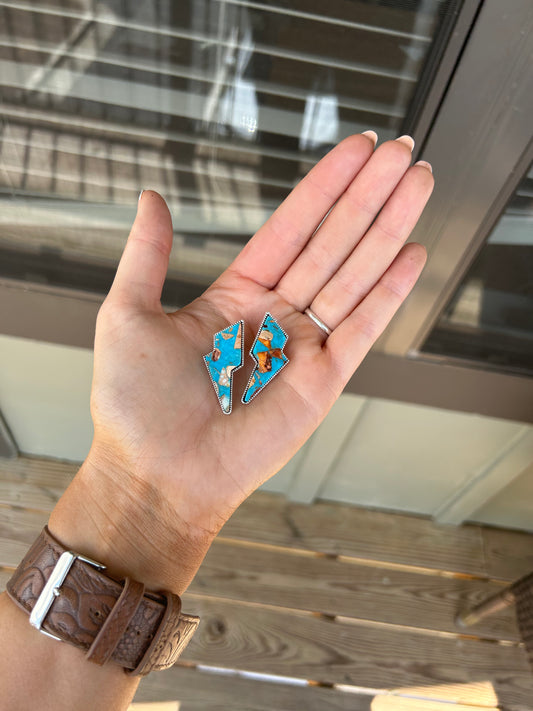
[[221, 105]]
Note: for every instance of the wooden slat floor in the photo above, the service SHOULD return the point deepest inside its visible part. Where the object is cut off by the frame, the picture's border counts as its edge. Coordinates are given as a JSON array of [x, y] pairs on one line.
[[324, 607]]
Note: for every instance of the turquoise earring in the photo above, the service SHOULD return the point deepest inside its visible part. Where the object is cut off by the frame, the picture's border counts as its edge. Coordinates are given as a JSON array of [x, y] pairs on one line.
[[267, 351], [226, 357]]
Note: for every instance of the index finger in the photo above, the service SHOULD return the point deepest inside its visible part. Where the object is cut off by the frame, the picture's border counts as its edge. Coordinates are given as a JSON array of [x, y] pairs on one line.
[[275, 246]]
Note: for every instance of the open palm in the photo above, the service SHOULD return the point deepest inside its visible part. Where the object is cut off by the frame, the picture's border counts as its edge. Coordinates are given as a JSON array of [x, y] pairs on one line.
[[156, 415]]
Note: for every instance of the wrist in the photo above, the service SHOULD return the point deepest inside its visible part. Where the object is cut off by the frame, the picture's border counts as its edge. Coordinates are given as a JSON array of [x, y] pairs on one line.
[[112, 517]]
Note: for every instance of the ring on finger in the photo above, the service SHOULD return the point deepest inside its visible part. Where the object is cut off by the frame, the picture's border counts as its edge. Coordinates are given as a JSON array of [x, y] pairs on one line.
[[321, 325]]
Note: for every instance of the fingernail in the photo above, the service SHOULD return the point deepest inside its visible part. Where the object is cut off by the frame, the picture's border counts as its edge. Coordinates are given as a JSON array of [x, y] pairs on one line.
[[424, 164], [140, 196], [372, 135], [407, 141]]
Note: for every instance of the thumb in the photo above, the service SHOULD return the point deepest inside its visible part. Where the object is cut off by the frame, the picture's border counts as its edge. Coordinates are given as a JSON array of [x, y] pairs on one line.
[[144, 263]]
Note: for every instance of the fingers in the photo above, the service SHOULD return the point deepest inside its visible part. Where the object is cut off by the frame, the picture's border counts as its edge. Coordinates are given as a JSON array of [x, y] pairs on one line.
[[376, 250], [353, 338], [346, 224], [143, 267], [276, 245]]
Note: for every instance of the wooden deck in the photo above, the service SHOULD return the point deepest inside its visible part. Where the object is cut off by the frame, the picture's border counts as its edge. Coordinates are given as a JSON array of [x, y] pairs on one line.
[[324, 607]]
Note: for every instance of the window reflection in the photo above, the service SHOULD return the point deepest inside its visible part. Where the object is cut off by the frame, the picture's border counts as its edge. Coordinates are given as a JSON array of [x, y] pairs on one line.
[[239, 107], [221, 105]]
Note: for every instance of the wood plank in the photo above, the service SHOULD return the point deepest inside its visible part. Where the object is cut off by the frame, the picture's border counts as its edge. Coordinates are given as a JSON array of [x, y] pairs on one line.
[[315, 583], [325, 527], [396, 703], [509, 554], [161, 706], [392, 702], [391, 642], [391, 648], [361, 533], [202, 691], [269, 518], [285, 643], [198, 690], [21, 524], [335, 587], [39, 498], [18, 529], [51, 473], [12, 552]]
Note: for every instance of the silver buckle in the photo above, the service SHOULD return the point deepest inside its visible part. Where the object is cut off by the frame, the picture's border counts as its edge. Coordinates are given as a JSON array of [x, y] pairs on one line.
[[52, 588]]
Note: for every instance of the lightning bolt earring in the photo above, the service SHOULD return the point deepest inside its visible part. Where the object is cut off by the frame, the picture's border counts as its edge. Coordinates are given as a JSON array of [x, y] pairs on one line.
[[226, 357], [267, 351]]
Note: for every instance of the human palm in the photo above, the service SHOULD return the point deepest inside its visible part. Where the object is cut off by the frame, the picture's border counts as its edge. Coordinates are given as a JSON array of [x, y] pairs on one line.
[[158, 425], [154, 403]]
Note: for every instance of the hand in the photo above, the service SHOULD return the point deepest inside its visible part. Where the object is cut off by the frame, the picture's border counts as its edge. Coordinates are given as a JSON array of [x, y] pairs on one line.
[[167, 468]]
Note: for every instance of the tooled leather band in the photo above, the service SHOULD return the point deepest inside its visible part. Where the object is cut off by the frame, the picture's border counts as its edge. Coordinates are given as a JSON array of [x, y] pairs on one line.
[[121, 622]]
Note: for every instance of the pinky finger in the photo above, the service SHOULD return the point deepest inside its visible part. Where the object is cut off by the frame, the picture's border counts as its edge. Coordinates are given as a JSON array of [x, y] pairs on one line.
[[354, 337]]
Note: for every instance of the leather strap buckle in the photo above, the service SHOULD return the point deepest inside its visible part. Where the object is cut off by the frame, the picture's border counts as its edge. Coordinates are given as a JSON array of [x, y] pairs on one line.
[[107, 619], [52, 589]]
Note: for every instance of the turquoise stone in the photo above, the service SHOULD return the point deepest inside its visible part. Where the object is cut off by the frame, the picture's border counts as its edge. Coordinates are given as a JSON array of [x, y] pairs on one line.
[[267, 351], [226, 357]]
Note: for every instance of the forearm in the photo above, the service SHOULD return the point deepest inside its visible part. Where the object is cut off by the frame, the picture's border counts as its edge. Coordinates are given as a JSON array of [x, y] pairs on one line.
[[39, 673], [92, 518], [114, 516]]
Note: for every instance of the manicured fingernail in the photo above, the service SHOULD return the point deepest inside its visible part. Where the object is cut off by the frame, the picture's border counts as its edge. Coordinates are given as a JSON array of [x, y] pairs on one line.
[[424, 164], [407, 141], [140, 196], [372, 135]]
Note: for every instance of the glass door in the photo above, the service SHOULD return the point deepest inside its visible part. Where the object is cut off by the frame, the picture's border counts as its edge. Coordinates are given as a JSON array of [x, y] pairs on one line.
[[221, 105]]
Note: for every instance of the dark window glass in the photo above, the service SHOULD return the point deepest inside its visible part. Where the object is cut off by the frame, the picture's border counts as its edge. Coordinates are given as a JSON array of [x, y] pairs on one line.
[[490, 318]]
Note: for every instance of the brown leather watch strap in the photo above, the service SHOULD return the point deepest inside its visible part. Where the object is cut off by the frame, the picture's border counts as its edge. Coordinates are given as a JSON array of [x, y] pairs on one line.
[[109, 620], [116, 623]]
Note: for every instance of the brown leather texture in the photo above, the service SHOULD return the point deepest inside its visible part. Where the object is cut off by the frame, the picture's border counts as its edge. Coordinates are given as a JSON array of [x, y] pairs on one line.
[[116, 623], [140, 631]]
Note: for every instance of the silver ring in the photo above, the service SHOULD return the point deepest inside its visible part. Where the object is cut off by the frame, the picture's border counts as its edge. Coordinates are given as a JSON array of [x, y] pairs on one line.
[[321, 325]]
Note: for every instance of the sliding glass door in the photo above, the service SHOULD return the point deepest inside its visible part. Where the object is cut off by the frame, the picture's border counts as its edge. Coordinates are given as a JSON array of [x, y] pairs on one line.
[[223, 105]]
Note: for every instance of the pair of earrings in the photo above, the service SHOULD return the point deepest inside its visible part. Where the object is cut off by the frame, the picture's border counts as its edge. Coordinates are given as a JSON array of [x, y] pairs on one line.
[[227, 356]]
